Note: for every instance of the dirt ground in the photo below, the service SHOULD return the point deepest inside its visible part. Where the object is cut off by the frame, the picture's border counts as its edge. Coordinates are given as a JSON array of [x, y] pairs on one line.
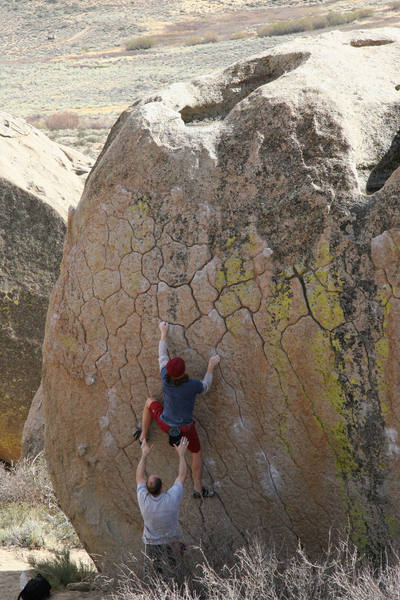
[[14, 560]]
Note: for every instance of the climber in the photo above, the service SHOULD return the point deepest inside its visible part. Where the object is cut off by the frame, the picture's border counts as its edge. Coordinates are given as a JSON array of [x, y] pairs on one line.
[[160, 509], [176, 416]]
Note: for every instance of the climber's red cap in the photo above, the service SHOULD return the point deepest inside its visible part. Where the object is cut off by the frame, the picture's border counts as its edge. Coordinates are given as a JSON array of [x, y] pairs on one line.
[[176, 367]]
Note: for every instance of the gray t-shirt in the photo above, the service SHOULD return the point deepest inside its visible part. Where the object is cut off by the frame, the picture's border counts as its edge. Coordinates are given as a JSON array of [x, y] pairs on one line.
[[160, 514]]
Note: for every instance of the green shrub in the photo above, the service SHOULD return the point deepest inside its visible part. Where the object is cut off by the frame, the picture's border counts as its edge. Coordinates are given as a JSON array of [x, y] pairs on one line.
[[61, 570], [140, 43]]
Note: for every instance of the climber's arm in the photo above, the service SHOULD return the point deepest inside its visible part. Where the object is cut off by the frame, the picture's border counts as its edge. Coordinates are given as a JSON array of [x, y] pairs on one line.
[[162, 346], [182, 469], [208, 377], [141, 468]]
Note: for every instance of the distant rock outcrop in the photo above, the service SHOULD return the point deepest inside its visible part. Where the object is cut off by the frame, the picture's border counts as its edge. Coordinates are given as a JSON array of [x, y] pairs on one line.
[[38, 181], [235, 207]]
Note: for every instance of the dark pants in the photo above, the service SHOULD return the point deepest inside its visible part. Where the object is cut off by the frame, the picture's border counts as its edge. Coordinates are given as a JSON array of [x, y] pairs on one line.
[[163, 557]]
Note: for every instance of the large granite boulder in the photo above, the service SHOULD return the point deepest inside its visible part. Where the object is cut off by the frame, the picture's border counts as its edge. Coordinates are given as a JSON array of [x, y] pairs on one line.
[[235, 208], [38, 181]]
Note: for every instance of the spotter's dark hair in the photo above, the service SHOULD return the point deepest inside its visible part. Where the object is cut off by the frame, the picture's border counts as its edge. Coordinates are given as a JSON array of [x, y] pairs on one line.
[[155, 486]]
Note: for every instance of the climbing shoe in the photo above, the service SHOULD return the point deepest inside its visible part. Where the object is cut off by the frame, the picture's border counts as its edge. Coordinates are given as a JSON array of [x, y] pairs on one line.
[[205, 493], [136, 435]]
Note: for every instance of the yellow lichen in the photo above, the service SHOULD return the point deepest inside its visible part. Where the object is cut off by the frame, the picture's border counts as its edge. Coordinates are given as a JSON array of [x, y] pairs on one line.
[[234, 325], [236, 270], [220, 280], [324, 304], [280, 303], [227, 303], [248, 294]]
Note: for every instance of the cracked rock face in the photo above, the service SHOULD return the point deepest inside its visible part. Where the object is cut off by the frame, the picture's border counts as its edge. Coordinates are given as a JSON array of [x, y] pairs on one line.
[[234, 207], [38, 181]]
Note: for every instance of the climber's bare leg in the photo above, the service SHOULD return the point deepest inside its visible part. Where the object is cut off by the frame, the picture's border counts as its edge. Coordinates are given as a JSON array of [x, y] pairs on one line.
[[146, 418], [197, 470]]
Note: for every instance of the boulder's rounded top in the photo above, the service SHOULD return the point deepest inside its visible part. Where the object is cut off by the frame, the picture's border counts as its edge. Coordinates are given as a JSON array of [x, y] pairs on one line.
[[34, 163]]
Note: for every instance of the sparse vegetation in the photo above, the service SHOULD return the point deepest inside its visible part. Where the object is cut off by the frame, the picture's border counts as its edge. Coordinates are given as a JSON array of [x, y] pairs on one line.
[[61, 569], [239, 35], [395, 5], [331, 19], [29, 513], [27, 481], [140, 43], [210, 38], [257, 573], [62, 120]]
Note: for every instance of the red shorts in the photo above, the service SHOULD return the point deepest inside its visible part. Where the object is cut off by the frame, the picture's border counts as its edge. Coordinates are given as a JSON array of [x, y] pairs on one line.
[[188, 431]]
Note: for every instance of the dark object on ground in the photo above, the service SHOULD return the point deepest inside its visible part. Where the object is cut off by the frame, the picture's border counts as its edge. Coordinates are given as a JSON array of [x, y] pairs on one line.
[[37, 588]]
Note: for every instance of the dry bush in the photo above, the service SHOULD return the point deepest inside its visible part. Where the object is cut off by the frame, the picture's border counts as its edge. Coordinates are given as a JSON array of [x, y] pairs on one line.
[[140, 43], [27, 481], [285, 27], [337, 18], [62, 120], [319, 22], [332, 19], [362, 13], [239, 35], [210, 38], [394, 5], [256, 573], [96, 122], [29, 512], [341, 18]]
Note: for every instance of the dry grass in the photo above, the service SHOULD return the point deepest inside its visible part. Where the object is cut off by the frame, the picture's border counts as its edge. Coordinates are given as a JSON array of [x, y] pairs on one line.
[[140, 43], [331, 19], [256, 573], [27, 481]]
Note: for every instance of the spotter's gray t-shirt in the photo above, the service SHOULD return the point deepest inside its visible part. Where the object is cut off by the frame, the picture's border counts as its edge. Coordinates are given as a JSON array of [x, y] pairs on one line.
[[160, 514]]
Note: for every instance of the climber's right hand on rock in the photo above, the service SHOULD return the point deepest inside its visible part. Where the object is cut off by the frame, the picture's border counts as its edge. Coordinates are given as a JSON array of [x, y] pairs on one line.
[[163, 328], [214, 360]]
